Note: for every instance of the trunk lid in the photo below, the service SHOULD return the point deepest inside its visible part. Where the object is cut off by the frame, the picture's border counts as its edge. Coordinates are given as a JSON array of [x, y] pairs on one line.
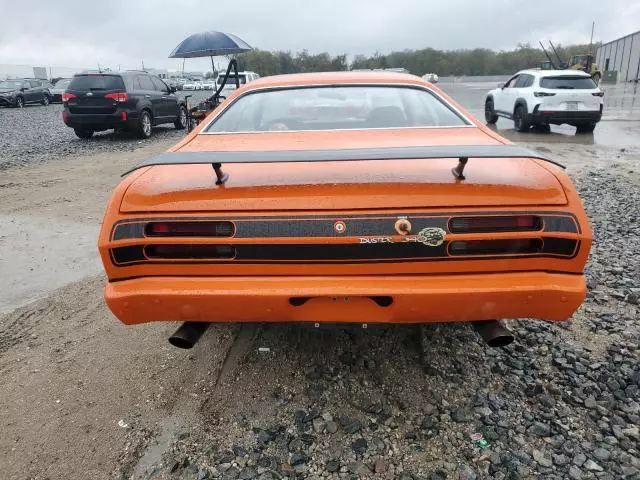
[[393, 184]]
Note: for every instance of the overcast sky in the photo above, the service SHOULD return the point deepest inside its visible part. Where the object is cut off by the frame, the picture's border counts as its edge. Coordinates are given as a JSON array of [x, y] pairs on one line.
[[81, 33]]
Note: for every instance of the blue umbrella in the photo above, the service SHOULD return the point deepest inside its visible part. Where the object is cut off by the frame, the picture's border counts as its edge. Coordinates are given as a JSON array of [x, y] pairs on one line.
[[210, 44]]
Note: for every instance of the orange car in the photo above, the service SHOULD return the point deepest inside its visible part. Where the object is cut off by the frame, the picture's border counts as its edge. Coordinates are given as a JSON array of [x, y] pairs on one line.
[[368, 197]]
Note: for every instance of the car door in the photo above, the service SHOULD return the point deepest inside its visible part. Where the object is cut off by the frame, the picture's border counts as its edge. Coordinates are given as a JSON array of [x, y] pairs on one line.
[[505, 100], [169, 104], [152, 95], [29, 94]]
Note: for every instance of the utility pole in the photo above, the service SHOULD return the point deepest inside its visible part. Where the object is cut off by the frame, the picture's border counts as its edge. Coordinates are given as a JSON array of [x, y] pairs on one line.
[[593, 25]]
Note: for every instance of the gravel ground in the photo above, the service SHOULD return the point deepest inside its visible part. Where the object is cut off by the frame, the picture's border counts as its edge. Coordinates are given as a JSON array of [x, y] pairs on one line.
[[37, 133]]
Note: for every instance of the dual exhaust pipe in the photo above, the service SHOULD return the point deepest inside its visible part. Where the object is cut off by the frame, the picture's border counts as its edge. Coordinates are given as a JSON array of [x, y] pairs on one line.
[[494, 333]]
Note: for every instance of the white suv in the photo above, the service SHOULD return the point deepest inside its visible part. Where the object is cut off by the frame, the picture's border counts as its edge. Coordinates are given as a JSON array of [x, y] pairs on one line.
[[544, 97]]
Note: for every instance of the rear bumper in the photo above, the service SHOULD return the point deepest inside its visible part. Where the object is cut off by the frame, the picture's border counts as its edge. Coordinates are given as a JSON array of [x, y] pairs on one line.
[[98, 121], [561, 116], [416, 299]]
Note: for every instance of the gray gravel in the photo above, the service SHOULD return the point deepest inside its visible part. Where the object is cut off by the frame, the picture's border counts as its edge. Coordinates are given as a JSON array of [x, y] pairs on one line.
[[37, 133], [404, 403]]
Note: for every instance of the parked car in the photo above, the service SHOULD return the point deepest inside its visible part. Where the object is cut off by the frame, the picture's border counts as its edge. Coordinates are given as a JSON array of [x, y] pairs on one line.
[[22, 91], [209, 84], [230, 86], [58, 89], [544, 97], [430, 77], [409, 211], [189, 85], [129, 101]]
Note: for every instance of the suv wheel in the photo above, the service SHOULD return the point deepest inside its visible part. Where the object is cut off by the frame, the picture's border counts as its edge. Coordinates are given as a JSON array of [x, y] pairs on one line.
[[181, 121], [19, 102], [144, 124], [83, 133], [489, 113], [520, 119], [45, 100], [586, 128]]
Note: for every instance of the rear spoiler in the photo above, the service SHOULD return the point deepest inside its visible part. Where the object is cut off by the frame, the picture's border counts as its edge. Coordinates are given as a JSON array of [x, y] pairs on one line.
[[461, 152]]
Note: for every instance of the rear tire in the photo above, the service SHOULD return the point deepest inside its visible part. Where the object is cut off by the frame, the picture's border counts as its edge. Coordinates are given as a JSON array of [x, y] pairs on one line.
[[181, 121], [520, 121], [84, 133], [45, 100], [586, 128], [489, 112], [144, 124]]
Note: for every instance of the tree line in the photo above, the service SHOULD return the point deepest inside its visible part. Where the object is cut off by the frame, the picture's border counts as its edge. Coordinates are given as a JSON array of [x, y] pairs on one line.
[[478, 61]]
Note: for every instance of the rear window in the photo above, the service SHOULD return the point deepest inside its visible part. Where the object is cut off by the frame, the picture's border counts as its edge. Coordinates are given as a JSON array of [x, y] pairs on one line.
[[335, 108], [232, 79], [96, 82], [567, 82]]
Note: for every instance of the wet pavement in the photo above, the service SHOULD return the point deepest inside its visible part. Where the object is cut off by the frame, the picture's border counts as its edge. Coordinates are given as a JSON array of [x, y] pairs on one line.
[[619, 127]]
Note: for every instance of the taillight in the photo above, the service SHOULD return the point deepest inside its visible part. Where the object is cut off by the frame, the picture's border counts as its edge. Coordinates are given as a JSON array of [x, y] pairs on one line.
[[118, 96], [543, 94], [495, 247], [515, 223], [598, 94], [190, 251], [66, 96], [190, 229]]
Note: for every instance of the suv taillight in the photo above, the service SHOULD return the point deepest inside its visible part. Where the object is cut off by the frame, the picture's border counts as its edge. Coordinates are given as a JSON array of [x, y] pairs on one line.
[[543, 94], [118, 96], [66, 96]]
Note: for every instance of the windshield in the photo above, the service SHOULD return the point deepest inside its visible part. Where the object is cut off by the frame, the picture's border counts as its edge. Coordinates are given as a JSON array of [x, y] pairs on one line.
[[96, 82], [567, 82], [232, 79], [64, 83], [335, 108], [11, 84]]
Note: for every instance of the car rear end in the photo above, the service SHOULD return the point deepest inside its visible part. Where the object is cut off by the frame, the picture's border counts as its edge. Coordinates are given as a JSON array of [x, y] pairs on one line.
[[572, 98], [303, 243], [97, 102]]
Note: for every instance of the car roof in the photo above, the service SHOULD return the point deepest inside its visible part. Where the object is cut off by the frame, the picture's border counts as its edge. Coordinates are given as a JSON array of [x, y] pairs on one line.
[[555, 73], [333, 78]]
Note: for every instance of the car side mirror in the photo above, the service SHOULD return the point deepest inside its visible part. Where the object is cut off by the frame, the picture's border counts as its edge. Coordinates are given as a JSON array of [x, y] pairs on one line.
[[501, 85], [172, 89]]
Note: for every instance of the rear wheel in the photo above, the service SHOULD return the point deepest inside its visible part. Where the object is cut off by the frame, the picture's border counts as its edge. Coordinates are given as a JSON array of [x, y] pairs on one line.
[[19, 102], [144, 124], [45, 100], [520, 119], [489, 112], [84, 133], [181, 121], [586, 128]]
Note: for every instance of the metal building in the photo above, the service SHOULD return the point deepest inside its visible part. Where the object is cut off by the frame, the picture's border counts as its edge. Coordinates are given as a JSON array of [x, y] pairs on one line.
[[621, 56]]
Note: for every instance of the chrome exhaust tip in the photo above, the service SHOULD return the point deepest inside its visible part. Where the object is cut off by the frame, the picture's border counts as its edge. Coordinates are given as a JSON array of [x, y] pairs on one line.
[[494, 333]]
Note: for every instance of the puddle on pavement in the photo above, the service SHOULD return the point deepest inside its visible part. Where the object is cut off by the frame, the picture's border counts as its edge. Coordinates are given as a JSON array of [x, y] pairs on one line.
[[38, 256]]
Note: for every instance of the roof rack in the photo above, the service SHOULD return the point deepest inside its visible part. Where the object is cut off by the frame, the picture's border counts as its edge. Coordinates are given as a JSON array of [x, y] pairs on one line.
[[462, 152]]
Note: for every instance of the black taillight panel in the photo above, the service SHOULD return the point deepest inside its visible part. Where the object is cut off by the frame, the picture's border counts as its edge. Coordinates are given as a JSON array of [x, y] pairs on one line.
[[495, 224], [190, 229]]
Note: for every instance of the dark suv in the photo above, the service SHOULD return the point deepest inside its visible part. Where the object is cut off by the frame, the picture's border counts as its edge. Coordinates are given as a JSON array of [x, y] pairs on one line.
[[123, 101], [19, 92]]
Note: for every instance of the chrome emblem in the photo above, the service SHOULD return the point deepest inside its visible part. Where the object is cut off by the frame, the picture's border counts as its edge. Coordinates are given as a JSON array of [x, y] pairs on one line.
[[340, 227], [432, 236], [89, 94]]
